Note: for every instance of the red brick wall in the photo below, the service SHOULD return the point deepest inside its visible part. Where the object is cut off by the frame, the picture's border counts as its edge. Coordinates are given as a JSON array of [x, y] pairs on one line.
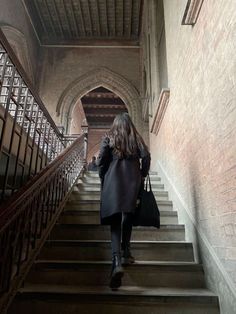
[[94, 140], [196, 144]]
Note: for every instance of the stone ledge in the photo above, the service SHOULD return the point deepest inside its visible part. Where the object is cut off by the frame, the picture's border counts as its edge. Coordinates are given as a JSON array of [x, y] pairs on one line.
[[160, 111], [191, 12]]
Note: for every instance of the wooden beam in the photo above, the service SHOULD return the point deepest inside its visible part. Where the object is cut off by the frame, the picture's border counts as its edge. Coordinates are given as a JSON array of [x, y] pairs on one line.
[[38, 9], [57, 17], [101, 106], [66, 18], [122, 17], [98, 17], [70, 2], [119, 18], [103, 113], [140, 17], [108, 31], [98, 115], [136, 17], [89, 29], [128, 18], [81, 18], [50, 17], [106, 96], [106, 18], [111, 15], [102, 101]]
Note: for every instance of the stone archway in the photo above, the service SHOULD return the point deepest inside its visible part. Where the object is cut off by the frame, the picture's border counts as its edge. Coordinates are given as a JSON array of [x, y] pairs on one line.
[[77, 119], [19, 45], [108, 79]]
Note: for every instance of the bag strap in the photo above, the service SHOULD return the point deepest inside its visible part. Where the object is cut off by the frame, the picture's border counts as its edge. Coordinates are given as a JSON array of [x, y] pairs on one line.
[[148, 183]]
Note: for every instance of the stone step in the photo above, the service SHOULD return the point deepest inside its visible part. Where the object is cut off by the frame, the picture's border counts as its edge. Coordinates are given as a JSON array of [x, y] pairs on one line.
[[100, 232], [96, 195], [97, 187], [95, 173], [95, 205], [101, 250], [96, 180], [93, 273], [60, 299], [93, 217]]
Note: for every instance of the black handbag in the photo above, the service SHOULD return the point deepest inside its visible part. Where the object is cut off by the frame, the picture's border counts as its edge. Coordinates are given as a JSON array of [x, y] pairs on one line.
[[147, 212]]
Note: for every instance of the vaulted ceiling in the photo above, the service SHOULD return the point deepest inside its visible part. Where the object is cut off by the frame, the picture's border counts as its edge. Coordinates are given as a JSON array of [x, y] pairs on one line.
[[101, 106], [80, 21]]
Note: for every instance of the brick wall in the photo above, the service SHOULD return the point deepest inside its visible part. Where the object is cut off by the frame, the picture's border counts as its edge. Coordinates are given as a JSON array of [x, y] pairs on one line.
[[94, 140], [196, 144]]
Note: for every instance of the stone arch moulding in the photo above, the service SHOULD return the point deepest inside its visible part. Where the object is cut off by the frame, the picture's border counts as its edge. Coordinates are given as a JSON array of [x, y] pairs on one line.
[[108, 79], [18, 43]]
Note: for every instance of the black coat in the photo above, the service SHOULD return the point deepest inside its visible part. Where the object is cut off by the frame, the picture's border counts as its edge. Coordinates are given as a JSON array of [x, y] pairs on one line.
[[121, 180]]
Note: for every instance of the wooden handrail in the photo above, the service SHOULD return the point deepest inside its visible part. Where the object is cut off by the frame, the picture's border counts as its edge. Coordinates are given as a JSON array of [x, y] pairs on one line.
[[52, 167], [8, 209], [29, 138], [28, 83], [27, 219]]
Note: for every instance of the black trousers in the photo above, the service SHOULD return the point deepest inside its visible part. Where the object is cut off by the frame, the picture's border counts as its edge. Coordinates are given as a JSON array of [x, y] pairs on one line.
[[121, 229]]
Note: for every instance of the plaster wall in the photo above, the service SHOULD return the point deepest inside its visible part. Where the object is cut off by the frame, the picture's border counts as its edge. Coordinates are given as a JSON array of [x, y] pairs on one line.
[[13, 14], [62, 66]]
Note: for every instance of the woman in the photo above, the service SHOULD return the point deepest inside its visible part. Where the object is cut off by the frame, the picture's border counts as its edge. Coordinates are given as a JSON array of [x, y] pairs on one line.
[[121, 175]]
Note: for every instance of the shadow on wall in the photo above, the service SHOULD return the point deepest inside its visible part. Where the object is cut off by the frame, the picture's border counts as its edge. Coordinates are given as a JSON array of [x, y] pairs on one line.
[[194, 201]]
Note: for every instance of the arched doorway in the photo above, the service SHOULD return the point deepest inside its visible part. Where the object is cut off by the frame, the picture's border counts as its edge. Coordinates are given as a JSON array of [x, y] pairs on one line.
[[98, 108], [111, 81], [92, 80]]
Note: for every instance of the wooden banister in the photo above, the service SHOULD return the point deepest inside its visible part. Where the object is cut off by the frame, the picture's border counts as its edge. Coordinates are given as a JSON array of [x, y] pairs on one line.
[[29, 138], [27, 218]]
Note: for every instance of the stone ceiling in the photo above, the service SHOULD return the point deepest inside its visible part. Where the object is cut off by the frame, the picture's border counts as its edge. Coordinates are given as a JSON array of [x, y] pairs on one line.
[[59, 22], [101, 106]]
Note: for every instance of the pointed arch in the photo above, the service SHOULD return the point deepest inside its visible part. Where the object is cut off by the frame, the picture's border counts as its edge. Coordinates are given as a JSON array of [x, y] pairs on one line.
[[19, 44], [96, 78]]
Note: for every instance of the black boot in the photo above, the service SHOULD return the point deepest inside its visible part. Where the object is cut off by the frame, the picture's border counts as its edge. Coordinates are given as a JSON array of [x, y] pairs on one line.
[[127, 258], [117, 272]]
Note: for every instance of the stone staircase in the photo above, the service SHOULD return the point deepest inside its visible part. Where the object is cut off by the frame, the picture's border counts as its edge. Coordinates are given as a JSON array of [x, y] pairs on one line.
[[71, 274]]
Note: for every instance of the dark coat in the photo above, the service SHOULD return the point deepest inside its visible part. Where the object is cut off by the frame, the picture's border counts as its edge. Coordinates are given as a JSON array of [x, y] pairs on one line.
[[121, 180]]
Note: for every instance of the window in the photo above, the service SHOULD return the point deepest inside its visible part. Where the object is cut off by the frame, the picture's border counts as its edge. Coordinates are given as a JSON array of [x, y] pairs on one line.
[[191, 12]]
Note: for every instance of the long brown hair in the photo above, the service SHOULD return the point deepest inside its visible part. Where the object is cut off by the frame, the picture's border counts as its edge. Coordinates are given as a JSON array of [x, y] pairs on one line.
[[124, 138]]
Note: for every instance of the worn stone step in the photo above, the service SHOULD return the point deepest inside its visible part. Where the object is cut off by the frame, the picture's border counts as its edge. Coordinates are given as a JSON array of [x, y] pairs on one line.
[[93, 273], [96, 195], [93, 217], [99, 232], [60, 299], [95, 173], [101, 250], [95, 205], [96, 180], [80, 186]]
